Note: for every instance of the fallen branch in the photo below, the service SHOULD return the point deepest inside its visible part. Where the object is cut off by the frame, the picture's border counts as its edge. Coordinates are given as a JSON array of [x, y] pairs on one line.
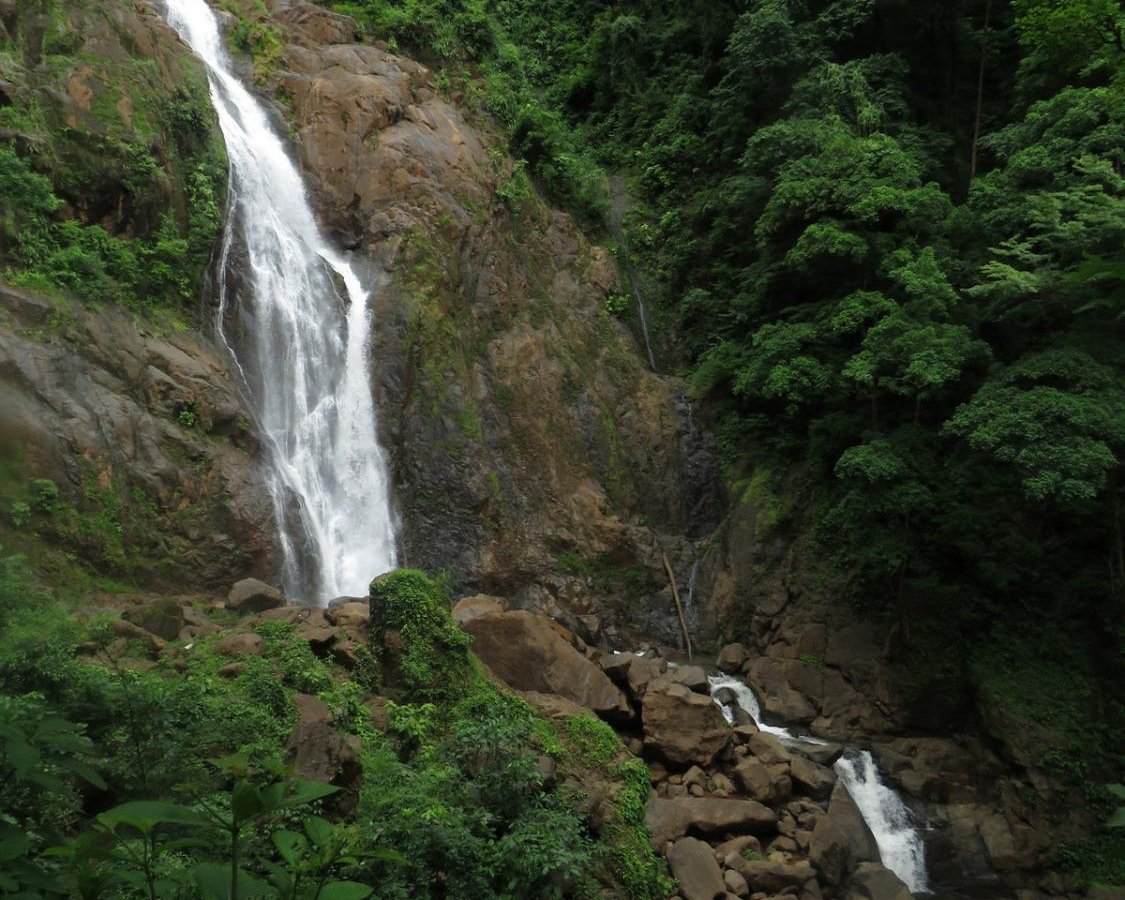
[[679, 606]]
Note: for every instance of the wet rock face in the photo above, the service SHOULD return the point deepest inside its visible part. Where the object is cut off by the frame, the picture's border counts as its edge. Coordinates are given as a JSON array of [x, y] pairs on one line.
[[522, 424], [96, 401]]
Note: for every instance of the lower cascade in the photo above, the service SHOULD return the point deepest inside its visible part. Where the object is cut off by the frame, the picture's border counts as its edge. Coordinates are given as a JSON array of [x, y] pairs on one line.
[[891, 822], [301, 345], [900, 843]]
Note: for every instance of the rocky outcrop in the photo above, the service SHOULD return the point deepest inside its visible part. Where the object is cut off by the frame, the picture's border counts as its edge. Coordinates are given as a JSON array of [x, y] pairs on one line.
[[682, 727], [693, 864], [669, 820], [318, 752], [874, 882], [252, 595], [164, 617], [91, 399]]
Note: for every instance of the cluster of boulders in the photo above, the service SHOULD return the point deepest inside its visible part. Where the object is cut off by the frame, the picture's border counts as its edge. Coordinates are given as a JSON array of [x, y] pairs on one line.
[[737, 813]]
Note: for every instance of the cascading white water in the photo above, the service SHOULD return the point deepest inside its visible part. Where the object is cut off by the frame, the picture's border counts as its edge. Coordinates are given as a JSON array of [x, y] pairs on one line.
[[899, 840], [303, 326], [745, 699], [900, 843]]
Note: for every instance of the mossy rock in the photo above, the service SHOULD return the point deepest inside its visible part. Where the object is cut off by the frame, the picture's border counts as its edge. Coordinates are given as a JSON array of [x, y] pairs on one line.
[[422, 652]]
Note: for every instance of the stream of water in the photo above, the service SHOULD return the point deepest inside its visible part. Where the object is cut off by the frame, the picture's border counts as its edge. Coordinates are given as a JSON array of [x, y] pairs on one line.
[[891, 822], [899, 840], [301, 343]]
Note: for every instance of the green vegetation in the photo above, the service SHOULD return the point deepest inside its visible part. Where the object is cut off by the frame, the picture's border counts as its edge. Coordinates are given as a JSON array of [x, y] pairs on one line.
[[116, 197], [129, 772], [255, 33], [108, 530]]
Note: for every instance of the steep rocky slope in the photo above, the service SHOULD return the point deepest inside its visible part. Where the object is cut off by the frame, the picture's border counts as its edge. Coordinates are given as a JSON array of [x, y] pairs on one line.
[[534, 453], [133, 414]]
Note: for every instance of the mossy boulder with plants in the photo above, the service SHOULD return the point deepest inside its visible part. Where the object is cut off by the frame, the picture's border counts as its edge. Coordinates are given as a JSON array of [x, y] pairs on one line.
[[526, 806], [422, 651]]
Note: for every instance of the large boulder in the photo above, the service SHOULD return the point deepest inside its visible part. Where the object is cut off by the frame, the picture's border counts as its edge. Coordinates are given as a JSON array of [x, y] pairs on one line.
[[873, 881], [830, 851], [731, 658], [763, 783], [473, 607], [693, 864], [776, 876], [786, 688], [844, 813], [318, 752], [251, 595], [241, 644], [810, 778], [768, 749], [353, 615], [669, 820], [525, 651], [691, 677], [682, 727], [163, 617]]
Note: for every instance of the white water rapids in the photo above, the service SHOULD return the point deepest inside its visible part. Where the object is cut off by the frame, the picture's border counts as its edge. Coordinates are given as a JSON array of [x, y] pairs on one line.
[[303, 327], [896, 833], [900, 843]]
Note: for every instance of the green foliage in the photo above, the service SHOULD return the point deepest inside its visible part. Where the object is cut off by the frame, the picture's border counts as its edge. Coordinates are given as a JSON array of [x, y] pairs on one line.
[[896, 277], [1070, 33], [117, 200], [462, 802], [255, 33], [433, 660]]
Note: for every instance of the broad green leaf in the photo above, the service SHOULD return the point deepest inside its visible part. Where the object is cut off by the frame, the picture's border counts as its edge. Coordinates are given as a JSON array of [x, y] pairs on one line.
[[13, 842], [144, 815], [319, 830], [291, 845], [246, 801], [386, 854], [303, 792], [214, 880], [345, 890], [85, 772]]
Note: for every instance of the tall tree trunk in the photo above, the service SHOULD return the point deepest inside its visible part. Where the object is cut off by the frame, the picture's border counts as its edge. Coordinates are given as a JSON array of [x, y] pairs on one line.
[[980, 91]]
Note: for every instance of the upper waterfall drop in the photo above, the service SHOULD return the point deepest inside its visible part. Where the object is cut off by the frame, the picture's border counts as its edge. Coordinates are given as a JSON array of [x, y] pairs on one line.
[[301, 346]]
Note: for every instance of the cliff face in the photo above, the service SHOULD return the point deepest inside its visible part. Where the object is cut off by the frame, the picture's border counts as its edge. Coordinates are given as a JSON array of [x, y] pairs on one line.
[[131, 412], [534, 454]]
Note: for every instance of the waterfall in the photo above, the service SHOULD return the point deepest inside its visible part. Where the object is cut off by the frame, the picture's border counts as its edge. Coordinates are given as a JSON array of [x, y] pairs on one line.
[[301, 345], [896, 833], [900, 843], [744, 698]]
